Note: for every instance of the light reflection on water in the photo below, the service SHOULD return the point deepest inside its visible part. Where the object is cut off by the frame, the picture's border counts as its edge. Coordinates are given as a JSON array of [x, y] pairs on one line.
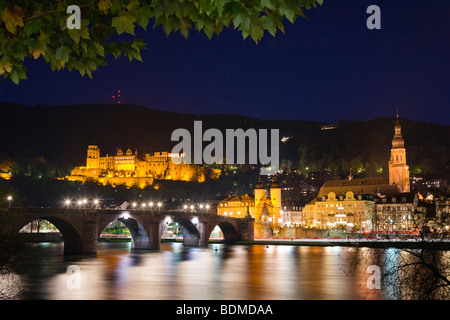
[[240, 272]]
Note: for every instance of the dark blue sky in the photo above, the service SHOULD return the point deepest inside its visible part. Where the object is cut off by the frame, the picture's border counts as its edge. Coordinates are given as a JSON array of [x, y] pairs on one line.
[[327, 67]]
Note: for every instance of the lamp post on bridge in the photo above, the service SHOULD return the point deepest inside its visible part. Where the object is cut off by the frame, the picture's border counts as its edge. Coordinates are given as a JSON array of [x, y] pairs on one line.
[[9, 198]]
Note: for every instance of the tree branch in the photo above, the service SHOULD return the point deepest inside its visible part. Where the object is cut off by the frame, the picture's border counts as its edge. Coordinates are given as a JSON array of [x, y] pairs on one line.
[[53, 11]]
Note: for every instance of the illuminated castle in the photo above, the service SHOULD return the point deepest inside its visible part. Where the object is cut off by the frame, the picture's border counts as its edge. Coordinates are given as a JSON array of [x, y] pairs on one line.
[[130, 170]]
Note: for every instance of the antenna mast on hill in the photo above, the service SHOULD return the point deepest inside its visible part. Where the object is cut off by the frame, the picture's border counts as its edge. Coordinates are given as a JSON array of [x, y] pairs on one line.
[[116, 97]]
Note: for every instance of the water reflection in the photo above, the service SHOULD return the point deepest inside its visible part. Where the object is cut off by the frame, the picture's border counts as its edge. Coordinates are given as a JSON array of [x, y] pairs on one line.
[[215, 272]]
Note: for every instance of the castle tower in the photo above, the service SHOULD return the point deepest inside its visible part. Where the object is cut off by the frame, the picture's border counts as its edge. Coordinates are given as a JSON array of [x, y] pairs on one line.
[[398, 170], [260, 191], [93, 157]]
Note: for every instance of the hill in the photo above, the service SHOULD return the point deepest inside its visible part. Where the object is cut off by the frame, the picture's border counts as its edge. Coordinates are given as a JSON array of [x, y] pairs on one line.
[[58, 136]]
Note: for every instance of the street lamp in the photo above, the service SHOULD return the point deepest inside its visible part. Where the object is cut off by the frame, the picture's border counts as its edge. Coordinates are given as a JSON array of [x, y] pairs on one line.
[[150, 205], [9, 198], [67, 203], [185, 207], [192, 208], [159, 205], [80, 203], [134, 205], [84, 202], [96, 202]]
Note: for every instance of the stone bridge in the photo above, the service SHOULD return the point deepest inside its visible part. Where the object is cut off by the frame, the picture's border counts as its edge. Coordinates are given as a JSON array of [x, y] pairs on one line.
[[81, 228]]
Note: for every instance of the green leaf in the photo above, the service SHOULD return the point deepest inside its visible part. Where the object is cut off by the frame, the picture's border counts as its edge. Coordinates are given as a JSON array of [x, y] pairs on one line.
[[269, 25], [287, 11], [75, 35], [14, 77], [100, 49], [62, 53], [103, 5], [267, 4], [132, 5], [11, 19], [124, 23]]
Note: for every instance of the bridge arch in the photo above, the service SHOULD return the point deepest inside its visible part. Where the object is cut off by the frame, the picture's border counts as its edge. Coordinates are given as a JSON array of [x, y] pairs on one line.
[[230, 234], [140, 238], [191, 235], [73, 242]]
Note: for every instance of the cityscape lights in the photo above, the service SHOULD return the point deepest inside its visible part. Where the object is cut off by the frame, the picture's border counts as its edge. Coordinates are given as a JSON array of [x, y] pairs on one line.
[[85, 203]]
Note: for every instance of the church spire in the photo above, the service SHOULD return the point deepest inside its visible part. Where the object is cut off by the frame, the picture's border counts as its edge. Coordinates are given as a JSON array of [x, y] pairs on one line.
[[398, 142], [398, 169]]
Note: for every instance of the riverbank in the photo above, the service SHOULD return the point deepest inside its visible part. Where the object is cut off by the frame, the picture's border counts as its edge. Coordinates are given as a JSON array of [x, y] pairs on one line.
[[368, 243], [325, 242]]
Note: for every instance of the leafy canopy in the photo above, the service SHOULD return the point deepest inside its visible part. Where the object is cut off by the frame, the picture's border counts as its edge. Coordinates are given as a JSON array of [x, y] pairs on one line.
[[37, 29]]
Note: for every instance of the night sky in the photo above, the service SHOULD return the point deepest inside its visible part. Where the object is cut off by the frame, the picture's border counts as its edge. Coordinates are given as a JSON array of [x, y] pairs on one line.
[[327, 67]]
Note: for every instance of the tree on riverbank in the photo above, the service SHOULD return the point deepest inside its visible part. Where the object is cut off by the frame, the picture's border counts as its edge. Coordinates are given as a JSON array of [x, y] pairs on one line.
[[415, 274]]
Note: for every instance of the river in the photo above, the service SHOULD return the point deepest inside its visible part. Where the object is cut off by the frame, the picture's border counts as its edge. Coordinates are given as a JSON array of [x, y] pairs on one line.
[[215, 272]]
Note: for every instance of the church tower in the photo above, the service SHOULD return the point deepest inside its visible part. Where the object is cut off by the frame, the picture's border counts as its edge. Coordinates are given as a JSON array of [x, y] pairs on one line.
[[398, 170]]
